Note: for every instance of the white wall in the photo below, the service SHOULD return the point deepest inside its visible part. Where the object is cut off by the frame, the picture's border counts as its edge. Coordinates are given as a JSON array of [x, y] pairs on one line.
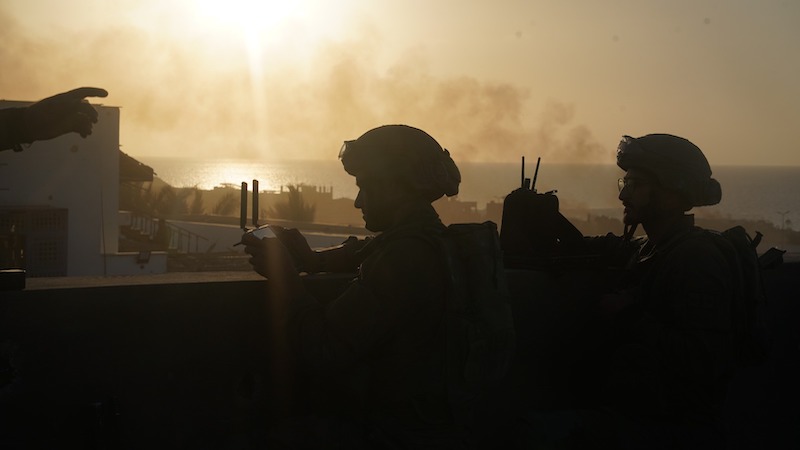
[[79, 174]]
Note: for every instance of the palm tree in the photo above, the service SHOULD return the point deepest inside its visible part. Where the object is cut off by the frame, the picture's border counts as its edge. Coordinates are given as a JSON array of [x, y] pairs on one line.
[[295, 208], [170, 201], [197, 208], [226, 205]]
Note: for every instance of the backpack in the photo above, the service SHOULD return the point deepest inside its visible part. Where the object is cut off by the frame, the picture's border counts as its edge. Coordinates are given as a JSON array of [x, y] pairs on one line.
[[479, 327], [748, 313]]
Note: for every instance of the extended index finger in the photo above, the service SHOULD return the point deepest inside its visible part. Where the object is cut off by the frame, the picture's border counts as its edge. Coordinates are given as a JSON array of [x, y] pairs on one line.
[[83, 92]]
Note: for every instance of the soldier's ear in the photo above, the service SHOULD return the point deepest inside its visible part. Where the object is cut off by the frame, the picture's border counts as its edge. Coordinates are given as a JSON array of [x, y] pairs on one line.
[[671, 200]]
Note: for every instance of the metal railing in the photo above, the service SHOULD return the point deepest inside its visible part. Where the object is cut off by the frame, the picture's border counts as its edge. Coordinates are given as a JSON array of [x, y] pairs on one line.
[[175, 237]]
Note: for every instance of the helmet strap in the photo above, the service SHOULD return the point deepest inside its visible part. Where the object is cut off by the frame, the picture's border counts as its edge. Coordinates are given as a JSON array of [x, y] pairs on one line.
[[628, 231]]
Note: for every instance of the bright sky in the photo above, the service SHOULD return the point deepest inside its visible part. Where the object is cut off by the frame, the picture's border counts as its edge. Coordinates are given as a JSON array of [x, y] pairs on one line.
[[491, 80]]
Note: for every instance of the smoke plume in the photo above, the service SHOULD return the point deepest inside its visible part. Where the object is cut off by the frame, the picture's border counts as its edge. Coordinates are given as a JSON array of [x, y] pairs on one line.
[[193, 97]]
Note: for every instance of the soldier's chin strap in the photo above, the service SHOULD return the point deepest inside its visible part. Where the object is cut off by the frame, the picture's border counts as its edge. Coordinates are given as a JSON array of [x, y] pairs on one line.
[[627, 234]]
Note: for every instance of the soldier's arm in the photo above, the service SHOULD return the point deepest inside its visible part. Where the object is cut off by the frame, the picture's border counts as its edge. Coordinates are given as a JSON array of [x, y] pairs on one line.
[[342, 258], [339, 259], [51, 117]]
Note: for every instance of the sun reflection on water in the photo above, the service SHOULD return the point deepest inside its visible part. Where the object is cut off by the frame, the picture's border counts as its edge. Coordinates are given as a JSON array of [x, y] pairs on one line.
[[271, 176]]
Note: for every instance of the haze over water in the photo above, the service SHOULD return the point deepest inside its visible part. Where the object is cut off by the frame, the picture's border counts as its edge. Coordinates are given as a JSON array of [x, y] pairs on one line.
[[748, 192]]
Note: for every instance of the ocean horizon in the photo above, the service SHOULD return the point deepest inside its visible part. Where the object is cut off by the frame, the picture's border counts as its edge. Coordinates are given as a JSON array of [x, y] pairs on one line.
[[748, 192]]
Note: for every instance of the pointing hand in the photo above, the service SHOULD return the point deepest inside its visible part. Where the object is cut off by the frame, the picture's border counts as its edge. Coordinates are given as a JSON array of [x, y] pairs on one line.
[[60, 114]]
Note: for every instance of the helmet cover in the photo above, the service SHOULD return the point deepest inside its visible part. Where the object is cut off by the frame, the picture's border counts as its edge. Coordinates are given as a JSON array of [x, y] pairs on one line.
[[406, 152], [676, 162]]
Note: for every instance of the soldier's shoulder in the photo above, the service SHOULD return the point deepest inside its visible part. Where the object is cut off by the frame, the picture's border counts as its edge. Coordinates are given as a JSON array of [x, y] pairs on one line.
[[407, 245], [700, 246]]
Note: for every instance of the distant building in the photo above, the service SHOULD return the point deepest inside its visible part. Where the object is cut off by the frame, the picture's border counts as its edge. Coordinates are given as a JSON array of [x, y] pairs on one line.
[[60, 198]]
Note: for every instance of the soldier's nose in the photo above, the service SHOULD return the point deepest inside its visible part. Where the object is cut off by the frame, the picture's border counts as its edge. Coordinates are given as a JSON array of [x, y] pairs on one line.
[[623, 194], [359, 201]]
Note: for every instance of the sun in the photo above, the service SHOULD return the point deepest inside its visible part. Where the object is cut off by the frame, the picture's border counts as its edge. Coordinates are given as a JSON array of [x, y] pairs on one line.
[[250, 18], [259, 27]]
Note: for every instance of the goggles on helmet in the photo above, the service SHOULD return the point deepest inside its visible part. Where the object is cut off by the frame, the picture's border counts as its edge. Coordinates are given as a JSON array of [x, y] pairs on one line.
[[347, 145]]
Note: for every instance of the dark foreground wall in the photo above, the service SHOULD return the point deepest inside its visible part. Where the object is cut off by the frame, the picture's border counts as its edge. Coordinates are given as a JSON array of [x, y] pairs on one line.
[[142, 366], [196, 364]]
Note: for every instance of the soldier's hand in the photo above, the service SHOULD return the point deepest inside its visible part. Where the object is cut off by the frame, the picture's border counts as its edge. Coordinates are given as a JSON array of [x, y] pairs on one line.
[[269, 257], [60, 114], [306, 259]]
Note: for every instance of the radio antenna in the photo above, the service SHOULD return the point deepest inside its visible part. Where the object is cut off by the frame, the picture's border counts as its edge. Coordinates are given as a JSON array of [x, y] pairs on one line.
[[243, 209], [536, 173], [255, 203]]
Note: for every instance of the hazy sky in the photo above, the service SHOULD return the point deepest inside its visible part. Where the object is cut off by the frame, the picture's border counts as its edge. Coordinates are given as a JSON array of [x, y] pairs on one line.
[[491, 80]]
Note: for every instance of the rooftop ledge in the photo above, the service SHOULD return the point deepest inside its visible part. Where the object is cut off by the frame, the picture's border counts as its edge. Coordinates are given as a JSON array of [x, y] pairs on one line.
[[36, 283]]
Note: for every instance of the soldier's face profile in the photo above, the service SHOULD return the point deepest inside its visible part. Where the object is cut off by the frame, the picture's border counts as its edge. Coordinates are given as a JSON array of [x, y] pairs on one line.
[[636, 190], [377, 199]]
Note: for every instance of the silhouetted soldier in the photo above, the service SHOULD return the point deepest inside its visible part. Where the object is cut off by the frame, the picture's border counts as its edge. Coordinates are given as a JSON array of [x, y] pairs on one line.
[[660, 350], [49, 118], [679, 324], [389, 321]]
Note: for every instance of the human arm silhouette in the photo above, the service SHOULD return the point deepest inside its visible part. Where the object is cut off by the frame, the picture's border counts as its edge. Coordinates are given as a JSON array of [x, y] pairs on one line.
[[48, 118], [338, 259]]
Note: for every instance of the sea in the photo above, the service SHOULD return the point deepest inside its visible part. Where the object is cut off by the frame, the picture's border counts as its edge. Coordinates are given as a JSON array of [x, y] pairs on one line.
[[748, 192]]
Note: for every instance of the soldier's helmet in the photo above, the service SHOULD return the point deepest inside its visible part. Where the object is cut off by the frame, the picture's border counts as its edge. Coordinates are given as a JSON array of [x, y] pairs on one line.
[[676, 162], [405, 152]]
